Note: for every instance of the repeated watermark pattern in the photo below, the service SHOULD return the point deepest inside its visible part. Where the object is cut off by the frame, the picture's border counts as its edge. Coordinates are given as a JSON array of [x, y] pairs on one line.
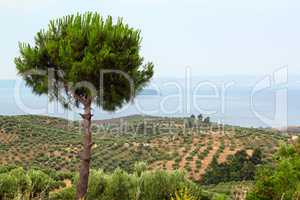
[[186, 97]]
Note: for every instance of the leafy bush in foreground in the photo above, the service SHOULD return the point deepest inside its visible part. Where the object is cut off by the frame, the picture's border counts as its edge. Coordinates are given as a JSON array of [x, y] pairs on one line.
[[182, 195], [8, 186], [281, 181], [41, 183], [141, 185], [17, 183], [65, 194], [148, 185]]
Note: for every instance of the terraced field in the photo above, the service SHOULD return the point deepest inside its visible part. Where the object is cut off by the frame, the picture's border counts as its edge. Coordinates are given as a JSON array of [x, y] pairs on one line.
[[164, 143]]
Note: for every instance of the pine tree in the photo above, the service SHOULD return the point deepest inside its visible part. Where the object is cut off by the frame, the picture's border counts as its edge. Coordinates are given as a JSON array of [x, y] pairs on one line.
[[84, 60]]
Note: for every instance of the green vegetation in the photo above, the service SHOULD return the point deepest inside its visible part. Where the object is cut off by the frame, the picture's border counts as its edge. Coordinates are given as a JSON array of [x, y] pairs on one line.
[[183, 194], [282, 180], [238, 167], [16, 182], [82, 60], [48, 149], [53, 143], [149, 185]]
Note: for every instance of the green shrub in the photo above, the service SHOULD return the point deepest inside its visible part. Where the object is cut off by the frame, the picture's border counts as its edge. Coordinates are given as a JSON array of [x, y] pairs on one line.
[[22, 180], [159, 185], [6, 168], [64, 194], [98, 184], [238, 167], [139, 168], [220, 197], [121, 186], [150, 185], [281, 181], [8, 186], [41, 183], [182, 194]]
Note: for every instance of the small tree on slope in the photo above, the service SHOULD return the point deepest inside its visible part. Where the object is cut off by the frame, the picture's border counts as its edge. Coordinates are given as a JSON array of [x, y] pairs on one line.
[[83, 60]]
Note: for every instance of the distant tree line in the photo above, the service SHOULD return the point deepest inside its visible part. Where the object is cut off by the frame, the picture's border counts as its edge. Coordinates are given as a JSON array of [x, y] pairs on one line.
[[194, 121]]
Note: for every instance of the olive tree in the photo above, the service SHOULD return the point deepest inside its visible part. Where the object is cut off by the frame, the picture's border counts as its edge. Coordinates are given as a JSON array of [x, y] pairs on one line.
[[82, 61]]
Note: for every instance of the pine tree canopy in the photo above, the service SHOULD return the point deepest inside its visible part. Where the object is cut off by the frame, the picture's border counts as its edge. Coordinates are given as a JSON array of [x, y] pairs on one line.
[[78, 49]]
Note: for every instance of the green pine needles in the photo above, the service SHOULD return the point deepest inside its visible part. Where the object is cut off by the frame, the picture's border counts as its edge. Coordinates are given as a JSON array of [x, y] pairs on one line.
[[85, 48]]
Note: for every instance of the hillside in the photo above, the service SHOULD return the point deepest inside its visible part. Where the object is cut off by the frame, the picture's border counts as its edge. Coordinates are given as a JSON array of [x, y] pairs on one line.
[[164, 143]]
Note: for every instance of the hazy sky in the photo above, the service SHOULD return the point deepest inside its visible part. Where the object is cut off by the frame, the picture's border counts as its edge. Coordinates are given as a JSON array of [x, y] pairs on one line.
[[212, 37]]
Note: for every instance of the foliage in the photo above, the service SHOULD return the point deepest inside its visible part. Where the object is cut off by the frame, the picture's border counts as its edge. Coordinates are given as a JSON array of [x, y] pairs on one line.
[[8, 186], [206, 120], [98, 183], [159, 185], [78, 48], [139, 168], [65, 194], [41, 183], [239, 167], [17, 183], [200, 117], [122, 185], [57, 141], [281, 181], [6, 168], [220, 197], [227, 188], [151, 185], [23, 181], [85, 60], [182, 195]]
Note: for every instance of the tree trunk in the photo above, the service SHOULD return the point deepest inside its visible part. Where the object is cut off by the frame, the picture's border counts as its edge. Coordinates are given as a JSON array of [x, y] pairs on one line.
[[85, 156]]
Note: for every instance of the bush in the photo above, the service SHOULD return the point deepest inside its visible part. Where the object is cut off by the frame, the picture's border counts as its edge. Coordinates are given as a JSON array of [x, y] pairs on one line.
[[64, 194], [6, 168], [238, 167], [139, 168], [23, 182], [160, 185], [98, 184], [8, 186], [220, 197], [182, 195], [118, 185], [41, 183], [150, 185], [121, 186], [281, 181]]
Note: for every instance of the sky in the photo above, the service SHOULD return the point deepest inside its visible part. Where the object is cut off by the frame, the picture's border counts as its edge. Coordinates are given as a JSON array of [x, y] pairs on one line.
[[210, 37]]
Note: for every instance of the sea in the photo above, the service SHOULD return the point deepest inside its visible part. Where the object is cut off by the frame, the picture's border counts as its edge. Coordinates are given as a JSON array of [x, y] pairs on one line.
[[248, 101]]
